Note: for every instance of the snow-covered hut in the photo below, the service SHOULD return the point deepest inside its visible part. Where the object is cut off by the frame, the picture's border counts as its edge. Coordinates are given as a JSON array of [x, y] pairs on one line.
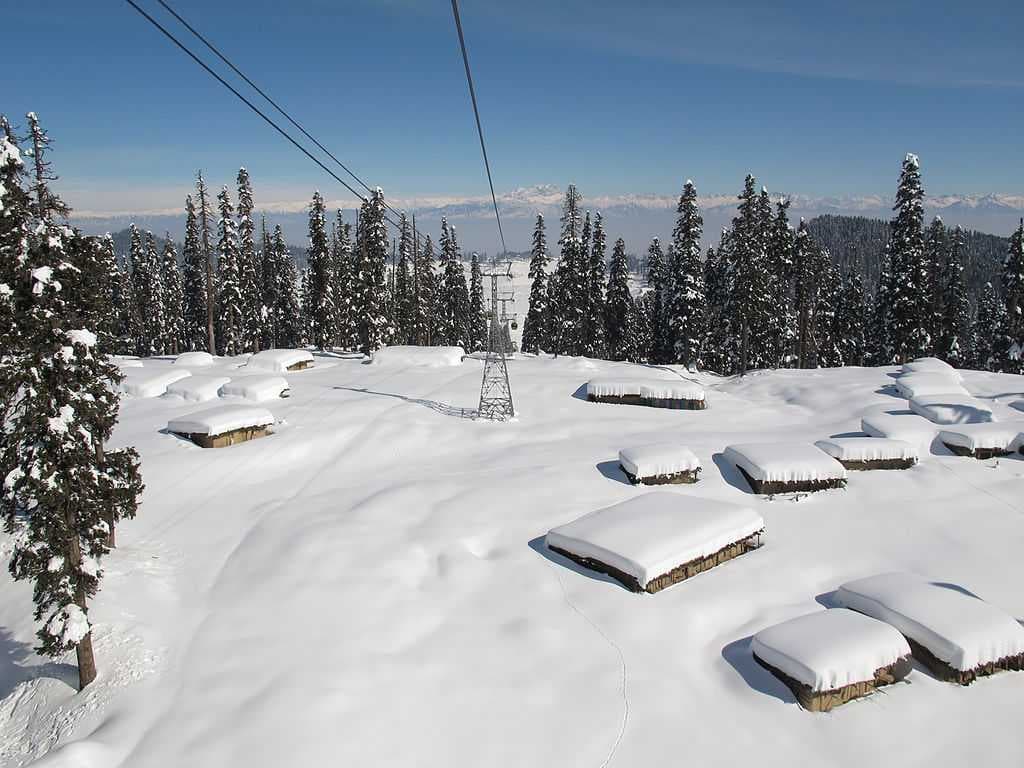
[[222, 425]]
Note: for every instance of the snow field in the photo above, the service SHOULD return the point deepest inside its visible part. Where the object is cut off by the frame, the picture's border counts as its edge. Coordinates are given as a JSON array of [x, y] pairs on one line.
[[658, 459], [220, 419], [197, 389], [957, 627], [649, 535], [149, 382], [784, 462], [431, 357], [279, 360], [951, 408], [830, 649], [256, 388], [867, 448]]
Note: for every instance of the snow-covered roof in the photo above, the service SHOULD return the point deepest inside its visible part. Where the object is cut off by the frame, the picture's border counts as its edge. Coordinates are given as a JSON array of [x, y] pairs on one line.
[[220, 419], [918, 383], [993, 435], [931, 365], [951, 408], [430, 357], [867, 448], [909, 427], [784, 462], [197, 389], [650, 535], [142, 382], [608, 386], [255, 388], [672, 390], [194, 359], [959, 629], [830, 649], [658, 459], [279, 360]]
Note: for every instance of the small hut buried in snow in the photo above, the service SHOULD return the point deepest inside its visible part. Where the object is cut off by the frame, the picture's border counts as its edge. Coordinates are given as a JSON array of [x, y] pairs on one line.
[[281, 360], [983, 441], [653, 393], [223, 425], [865, 453], [785, 467], [659, 464]]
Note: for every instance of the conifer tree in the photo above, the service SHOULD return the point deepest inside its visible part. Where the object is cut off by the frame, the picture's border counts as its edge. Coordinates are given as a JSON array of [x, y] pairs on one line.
[[936, 251], [909, 316], [477, 323], [250, 273], [454, 299], [593, 326], [661, 350], [404, 298], [828, 351], [100, 284], [204, 217], [952, 342], [194, 281], [571, 279], [343, 285], [988, 322], [806, 263], [270, 325], [849, 320], [747, 304], [719, 340], [173, 299], [15, 215], [1012, 332], [371, 275], [287, 309], [321, 310], [149, 295], [780, 301], [426, 292], [535, 326], [639, 334], [688, 306], [619, 308], [230, 301]]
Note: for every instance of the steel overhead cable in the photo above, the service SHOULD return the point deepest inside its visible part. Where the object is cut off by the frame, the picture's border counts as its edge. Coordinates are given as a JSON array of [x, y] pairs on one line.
[[274, 104], [476, 113], [170, 36]]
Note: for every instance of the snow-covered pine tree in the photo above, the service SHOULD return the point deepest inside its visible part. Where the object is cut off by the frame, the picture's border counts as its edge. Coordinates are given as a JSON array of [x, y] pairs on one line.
[[908, 320], [687, 307], [230, 331], [344, 285], [45, 204], [59, 489], [936, 252], [639, 337], [719, 341], [269, 327], [618, 307], [251, 275], [173, 299], [746, 254], [593, 325], [305, 306], [287, 309], [477, 331], [571, 280], [15, 216], [989, 320], [193, 280], [149, 298], [952, 342], [828, 351], [454, 298], [204, 216], [849, 319], [1013, 298], [658, 281], [320, 284], [535, 326], [805, 289], [101, 286], [404, 298], [780, 266], [426, 293], [371, 275]]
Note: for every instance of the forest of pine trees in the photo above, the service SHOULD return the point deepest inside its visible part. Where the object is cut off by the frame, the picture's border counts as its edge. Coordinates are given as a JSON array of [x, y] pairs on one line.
[[772, 296]]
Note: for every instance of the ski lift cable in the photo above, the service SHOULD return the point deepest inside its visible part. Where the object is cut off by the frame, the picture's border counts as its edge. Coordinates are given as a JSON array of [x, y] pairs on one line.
[[216, 51], [249, 104], [476, 113]]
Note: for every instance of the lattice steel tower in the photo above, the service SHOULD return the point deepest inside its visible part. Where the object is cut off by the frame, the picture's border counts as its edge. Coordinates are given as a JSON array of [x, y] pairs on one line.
[[495, 390]]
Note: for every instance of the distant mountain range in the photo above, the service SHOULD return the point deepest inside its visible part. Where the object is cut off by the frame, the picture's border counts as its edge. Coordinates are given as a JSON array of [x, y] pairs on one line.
[[635, 217]]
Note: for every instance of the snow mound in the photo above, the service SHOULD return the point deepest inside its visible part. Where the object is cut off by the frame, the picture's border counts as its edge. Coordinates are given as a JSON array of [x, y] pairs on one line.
[[280, 360], [830, 649], [430, 357], [931, 365], [648, 536], [909, 428], [911, 385], [146, 383], [867, 448], [784, 462], [1000, 436], [256, 388], [658, 459], [197, 389], [220, 419], [951, 408], [615, 387], [961, 630], [194, 359], [671, 390]]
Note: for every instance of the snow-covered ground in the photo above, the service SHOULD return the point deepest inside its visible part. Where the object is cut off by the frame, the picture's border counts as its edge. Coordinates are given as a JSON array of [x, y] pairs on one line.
[[368, 586]]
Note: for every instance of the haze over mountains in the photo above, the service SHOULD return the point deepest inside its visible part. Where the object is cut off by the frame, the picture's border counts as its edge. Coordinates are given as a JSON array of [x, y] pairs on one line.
[[635, 217]]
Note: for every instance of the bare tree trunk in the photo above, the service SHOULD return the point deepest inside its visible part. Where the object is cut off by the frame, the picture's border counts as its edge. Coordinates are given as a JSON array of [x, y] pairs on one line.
[[83, 650], [86, 661]]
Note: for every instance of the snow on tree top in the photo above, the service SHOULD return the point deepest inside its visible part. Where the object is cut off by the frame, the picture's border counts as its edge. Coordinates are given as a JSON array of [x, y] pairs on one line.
[[912, 160], [9, 152], [82, 336], [830, 649]]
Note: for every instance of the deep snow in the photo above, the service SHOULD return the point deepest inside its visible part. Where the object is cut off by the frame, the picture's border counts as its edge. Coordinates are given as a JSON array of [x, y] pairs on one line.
[[368, 586]]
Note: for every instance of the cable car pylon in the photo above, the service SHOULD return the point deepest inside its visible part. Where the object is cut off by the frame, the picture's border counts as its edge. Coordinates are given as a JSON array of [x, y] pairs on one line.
[[495, 391]]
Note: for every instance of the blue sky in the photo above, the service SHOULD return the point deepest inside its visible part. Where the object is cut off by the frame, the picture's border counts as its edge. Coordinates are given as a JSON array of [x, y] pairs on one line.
[[814, 98]]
